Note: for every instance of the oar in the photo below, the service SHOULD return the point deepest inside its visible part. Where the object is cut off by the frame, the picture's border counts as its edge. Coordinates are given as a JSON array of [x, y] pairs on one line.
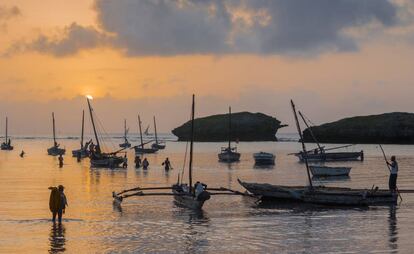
[[388, 166]]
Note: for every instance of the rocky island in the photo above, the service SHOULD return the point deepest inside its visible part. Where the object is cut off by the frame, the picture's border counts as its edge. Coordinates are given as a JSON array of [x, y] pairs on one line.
[[388, 128], [246, 126]]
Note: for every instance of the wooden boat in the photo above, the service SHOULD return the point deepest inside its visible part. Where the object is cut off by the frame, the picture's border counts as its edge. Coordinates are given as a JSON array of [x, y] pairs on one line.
[[229, 154], [329, 171], [320, 194], [6, 145], [140, 149], [330, 156], [263, 158], [126, 143], [97, 157], [146, 132], [55, 150], [158, 144], [83, 150]]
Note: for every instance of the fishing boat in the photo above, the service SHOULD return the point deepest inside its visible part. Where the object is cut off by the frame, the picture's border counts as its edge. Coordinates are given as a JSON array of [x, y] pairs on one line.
[[83, 151], [158, 144], [6, 145], [146, 132], [321, 153], [263, 158], [320, 194], [317, 170], [141, 149], [126, 143], [98, 158], [55, 150], [229, 154]]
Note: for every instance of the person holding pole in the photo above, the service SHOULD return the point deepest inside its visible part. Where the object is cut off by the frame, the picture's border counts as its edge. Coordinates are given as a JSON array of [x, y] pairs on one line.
[[393, 165]]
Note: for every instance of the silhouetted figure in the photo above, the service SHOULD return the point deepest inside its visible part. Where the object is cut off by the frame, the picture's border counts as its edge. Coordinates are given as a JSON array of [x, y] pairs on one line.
[[125, 163], [22, 154], [392, 182], [57, 202], [137, 161], [167, 164], [60, 160], [145, 164], [79, 156]]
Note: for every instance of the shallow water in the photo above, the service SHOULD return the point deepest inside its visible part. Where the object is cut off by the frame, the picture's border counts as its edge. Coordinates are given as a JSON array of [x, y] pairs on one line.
[[230, 224]]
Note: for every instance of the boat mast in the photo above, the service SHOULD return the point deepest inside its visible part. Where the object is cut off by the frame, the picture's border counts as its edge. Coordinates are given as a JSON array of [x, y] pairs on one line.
[[310, 130], [229, 128], [93, 125], [140, 131], [6, 129], [54, 130], [125, 131], [190, 164], [305, 157], [83, 126], [155, 129]]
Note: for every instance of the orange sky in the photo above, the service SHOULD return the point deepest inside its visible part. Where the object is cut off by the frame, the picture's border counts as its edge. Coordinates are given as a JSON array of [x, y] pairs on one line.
[[375, 78]]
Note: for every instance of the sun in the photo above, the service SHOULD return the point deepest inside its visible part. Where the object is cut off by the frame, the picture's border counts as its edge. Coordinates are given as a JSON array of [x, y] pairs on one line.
[[89, 97]]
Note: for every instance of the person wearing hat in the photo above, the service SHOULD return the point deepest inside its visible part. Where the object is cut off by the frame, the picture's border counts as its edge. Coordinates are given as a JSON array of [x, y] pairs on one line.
[[392, 182]]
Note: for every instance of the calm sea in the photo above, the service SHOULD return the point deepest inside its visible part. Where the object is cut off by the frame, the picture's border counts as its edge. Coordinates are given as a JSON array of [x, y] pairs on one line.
[[227, 224]]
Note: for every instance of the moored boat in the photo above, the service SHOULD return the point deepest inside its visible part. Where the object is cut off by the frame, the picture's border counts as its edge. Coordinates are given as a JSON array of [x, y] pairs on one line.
[[330, 156], [83, 151], [263, 158], [229, 154], [126, 143], [317, 170], [158, 145], [6, 145], [141, 149], [55, 150]]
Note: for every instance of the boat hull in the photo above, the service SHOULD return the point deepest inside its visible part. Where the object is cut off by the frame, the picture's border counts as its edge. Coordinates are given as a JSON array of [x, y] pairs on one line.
[[264, 158], [84, 153], [158, 146], [7, 147], [322, 195], [185, 199], [228, 156], [55, 151], [329, 171], [106, 162], [340, 156], [139, 150], [125, 145]]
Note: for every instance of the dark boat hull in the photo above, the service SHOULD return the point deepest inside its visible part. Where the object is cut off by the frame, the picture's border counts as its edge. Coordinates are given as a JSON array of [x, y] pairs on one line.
[[125, 145], [139, 150], [7, 147], [185, 199], [55, 151], [84, 153], [264, 158], [340, 156], [228, 156], [322, 195], [158, 146], [106, 162]]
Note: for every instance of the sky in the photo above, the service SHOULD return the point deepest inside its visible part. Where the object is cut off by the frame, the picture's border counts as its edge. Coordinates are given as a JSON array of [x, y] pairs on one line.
[[335, 59]]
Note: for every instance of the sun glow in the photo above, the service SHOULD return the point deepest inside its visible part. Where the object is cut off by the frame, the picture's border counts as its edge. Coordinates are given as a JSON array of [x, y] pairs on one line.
[[89, 97]]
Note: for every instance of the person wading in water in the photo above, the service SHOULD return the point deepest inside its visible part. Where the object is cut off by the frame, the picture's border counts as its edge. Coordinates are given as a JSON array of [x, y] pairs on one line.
[[167, 164], [57, 202], [145, 164], [392, 183]]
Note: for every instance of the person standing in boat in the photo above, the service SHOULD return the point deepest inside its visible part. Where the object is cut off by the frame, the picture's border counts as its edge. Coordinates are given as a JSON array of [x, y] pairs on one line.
[[199, 188], [167, 164], [392, 183], [145, 164]]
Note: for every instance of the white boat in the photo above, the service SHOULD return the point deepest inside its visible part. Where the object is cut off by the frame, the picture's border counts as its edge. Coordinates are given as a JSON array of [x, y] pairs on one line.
[[55, 150], [329, 171], [6, 145], [229, 154], [263, 158]]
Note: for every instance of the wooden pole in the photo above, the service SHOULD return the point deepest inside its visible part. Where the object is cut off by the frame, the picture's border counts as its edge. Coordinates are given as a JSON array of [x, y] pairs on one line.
[[155, 129], [310, 130], [83, 127], [190, 164], [7, 123], [389, 169], [229, 129], [303, 143], [54, 131], [140, 131]]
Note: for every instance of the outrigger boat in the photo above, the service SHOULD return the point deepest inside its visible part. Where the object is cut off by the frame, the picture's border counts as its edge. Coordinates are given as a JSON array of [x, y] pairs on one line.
[[83, 151], [320, 194], [140, 149], [97, 157], [55, 150], [229, 154], [158, 144], [126, 143], [321, 154], [185, 195], [6, 145], [317, 170]]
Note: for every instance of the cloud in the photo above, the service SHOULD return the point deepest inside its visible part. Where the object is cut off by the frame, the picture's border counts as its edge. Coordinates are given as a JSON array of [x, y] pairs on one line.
[[7, 13], [183, 27]]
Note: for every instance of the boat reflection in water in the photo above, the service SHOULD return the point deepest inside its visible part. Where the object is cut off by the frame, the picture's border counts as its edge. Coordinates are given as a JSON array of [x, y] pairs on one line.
[[57, 238], [393, 229]]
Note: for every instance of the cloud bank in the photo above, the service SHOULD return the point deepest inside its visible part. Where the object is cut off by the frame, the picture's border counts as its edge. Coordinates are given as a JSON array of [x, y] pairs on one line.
[[183, 27]]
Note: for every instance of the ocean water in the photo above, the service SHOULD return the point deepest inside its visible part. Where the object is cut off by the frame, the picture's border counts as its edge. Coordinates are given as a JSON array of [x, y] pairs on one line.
[[227, 224]]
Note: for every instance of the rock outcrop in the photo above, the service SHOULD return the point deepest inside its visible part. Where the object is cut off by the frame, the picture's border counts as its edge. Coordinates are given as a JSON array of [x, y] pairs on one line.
[[246, 126], [388, 128]]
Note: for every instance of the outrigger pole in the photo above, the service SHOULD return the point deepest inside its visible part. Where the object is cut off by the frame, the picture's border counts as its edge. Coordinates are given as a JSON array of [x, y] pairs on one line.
[[303, 143]]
